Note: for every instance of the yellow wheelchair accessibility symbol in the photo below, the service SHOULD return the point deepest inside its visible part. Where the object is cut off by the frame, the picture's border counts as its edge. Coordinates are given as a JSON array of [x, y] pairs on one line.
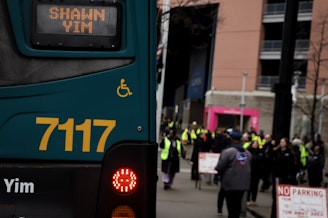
[[123, 90]]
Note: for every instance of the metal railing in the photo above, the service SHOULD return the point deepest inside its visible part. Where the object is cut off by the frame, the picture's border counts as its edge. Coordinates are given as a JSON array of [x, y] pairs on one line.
[[267, 82], [279, 8], [274, 9], [305, 7], [275, 45], [271, 45]]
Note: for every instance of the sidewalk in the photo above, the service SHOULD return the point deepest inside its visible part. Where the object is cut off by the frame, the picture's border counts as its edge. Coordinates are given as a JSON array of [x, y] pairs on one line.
[[263, 207], [264, 199]]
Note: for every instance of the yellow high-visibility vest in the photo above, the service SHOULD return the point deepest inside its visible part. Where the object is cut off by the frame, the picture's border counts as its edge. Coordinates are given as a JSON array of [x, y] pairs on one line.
[[246, 145], [166, 150]]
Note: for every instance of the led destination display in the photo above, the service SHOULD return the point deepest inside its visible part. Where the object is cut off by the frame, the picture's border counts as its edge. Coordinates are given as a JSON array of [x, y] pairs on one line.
[[80, 26], [80, 20]]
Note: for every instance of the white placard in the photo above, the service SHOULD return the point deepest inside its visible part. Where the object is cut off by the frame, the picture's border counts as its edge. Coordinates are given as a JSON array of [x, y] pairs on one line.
[[304, 202], [207, 162]]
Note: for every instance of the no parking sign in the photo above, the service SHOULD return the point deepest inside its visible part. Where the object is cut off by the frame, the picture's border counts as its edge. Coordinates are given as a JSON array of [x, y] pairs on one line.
[[305, 202], [207, 162]]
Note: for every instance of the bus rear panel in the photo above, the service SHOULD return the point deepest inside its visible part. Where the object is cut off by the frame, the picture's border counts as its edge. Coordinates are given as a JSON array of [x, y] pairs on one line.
[[77, 99]]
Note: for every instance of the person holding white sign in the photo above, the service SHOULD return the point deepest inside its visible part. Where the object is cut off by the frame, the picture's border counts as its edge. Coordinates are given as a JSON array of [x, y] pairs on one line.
[[199, 145]]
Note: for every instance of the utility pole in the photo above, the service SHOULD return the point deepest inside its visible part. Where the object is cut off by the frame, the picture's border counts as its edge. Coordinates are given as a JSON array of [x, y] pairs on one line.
[[242, 103], [283, 96]]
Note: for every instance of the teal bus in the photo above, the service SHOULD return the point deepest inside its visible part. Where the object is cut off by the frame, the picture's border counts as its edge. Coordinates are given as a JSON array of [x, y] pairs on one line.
[[78, 108]]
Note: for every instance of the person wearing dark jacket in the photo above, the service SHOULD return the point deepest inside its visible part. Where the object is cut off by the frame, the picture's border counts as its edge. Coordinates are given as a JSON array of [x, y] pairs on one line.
[[267, 165], [315, 167], [235, 171], [199, 146], [221, 141], [257, 168], [284, 168], [285, 163]]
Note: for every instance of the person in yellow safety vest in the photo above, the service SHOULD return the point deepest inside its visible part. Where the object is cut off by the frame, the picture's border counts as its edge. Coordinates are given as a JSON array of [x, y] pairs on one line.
[[300, 150], [185, 137], [193, 135], [260, 140], [307, 144], [170, 155], [247, 140], [304, 156], [213, 134], [188, 137], [171, 124], [201, 130], [185, 140], [305, 152]]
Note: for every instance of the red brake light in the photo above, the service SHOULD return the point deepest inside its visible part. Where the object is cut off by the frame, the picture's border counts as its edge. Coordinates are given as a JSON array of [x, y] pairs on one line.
[[124, 180], [123, 211]]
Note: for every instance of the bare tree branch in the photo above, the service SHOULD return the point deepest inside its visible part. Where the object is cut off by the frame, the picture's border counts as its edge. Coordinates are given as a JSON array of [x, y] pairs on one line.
[[318, 46]]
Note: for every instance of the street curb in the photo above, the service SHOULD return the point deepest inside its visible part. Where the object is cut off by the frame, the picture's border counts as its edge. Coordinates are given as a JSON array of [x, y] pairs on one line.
[[254, 213]]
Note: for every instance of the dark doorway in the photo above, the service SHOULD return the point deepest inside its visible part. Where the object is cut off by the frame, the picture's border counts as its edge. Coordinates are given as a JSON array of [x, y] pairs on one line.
[[190, 28]]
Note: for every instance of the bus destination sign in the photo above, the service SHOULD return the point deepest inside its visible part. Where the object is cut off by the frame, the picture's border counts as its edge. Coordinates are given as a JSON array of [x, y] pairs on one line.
[[78, 20], [59, 25]]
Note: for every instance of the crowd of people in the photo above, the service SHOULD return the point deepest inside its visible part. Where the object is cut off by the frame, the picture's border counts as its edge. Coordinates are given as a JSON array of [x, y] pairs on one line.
[[249, 157]]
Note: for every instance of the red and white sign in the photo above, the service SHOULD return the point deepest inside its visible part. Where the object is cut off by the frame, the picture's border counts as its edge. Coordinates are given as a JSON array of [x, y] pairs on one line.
[[301, 202], [207, 162]]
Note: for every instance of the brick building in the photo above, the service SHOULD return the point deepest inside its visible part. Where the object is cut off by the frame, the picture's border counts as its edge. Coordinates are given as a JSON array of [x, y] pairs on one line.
[[241, 61]]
